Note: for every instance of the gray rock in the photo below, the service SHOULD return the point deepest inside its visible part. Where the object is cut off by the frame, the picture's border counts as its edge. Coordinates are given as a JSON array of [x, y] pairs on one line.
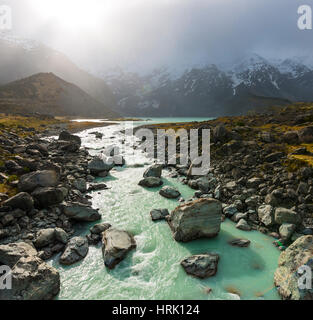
[[196, 219], [60, 235], [286, 278], [48, 196], [98, 165], [21, 201], [239, 243], [230, 210], [45, 178], [66, 136], [12, 252], [80, 184], [100, 227], [169, 192], [44, 237], [153, 171], [243, 225], [76, 250], [32, 279], [80, 212], [150, 182], [158, 214], [283, 215], [266, 215], [116, 245], [201, 265], [286, 230]]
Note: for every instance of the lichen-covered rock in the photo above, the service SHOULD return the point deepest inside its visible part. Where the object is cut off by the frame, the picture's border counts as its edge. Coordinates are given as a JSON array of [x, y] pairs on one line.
[[196, 219], [116, 245], [286, 277], [201, 265]]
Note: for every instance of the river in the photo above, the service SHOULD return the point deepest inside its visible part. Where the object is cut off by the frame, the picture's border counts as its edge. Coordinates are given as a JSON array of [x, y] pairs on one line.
[[153, 270]]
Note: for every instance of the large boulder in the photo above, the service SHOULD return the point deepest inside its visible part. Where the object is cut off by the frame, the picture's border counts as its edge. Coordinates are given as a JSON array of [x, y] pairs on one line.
[[12, 252], [286, 277], [116, 245], [150, 182], [169, 192], [32, 279], [98, 165], [201, 265], [45, 178], [76, 250], [80, 212], [66, 136], [196, 219], [283, 215], [266, 215], [45, 197], [154, 171], [21, 201]]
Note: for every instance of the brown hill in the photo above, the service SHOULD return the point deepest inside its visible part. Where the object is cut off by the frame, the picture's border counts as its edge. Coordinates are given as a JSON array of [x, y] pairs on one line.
[[19, 60], [48, 94]]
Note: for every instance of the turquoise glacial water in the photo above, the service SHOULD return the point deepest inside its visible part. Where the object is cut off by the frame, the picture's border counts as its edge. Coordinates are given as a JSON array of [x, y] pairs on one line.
[[153, 270]]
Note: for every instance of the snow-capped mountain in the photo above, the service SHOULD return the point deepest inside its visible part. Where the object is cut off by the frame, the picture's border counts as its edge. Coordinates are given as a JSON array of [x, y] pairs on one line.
[[251, 82]]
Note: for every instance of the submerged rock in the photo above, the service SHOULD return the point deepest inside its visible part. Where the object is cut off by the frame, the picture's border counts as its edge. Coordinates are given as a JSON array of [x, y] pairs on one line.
[[202, 265], [116, 245], [286, 277], [76, 250], [239, 243], [196, 219]]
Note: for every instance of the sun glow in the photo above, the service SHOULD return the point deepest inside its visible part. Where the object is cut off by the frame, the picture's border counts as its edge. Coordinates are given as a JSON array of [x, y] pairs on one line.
[[72, 14]]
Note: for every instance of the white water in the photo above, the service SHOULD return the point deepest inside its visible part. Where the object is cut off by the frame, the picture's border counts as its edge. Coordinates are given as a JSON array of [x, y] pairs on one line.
[[153, 270]]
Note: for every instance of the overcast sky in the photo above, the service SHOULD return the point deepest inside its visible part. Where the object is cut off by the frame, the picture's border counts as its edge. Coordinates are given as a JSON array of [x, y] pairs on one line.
[[150, 33]]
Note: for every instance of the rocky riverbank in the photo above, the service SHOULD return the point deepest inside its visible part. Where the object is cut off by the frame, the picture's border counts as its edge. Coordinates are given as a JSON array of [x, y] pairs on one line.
[[261, 172], [45, 186]]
